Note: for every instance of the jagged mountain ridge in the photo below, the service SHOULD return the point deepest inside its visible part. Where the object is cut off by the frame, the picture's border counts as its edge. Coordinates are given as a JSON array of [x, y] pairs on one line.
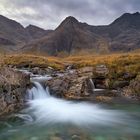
[[121, 35], [72, 36], [69, 36]]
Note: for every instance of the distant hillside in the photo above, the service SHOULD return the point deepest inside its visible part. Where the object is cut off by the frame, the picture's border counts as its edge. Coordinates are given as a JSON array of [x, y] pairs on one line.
[[13, 35], [11, 32], [37, 32], [72, 36]]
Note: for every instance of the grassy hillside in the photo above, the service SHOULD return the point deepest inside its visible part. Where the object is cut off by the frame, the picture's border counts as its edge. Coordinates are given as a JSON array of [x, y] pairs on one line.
[[22, 60], [117, 63]]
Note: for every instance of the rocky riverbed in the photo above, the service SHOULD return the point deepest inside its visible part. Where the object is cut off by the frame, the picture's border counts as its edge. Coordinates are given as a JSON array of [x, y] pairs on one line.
[[87, 83], [55, 117]]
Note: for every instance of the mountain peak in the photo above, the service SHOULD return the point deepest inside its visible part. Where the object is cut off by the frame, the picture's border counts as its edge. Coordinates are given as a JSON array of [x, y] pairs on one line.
[[71, 19], [136, 14], [128, 20], [69, 22], [130, 15]]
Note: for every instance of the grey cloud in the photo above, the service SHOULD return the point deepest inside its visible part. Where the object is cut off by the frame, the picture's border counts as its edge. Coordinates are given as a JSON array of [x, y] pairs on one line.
[[49, 13]]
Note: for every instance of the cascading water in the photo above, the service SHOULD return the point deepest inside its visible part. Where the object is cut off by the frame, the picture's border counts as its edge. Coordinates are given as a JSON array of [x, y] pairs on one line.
[[47, 117], [37, 92], [48, 109], [93, 86]]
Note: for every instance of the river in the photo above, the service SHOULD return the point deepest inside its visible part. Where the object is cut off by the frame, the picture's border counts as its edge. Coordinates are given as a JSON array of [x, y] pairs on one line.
[[48, 118]]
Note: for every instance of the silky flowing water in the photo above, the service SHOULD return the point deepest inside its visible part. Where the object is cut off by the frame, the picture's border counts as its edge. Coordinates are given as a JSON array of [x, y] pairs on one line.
[[48, 118]]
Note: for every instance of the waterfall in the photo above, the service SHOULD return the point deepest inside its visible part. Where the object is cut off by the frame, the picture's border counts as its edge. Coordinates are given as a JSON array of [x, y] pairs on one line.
[[93, 86], [37, 92], [48, 109]]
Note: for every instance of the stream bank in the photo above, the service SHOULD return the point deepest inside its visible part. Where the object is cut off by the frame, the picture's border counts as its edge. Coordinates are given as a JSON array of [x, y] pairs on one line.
[[87, 83]]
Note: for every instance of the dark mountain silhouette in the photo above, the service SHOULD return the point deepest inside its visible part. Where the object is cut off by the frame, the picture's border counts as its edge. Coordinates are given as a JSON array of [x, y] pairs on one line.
[[72, 36]]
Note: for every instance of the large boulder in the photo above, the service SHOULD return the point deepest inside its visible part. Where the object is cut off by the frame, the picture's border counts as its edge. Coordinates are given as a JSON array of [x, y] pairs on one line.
[[133, 90], [120, 84], [13, 86], [42, 71], [75, 84]]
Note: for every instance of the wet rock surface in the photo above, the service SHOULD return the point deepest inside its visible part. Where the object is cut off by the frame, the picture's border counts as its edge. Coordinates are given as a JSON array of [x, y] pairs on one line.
[[71, 83], [120, 84], [89, 84], [76, 83], [81, 84], [133, 90], [13, 86]]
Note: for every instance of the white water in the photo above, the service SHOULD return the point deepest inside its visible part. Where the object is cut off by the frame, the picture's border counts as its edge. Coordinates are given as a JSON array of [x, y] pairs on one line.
[[48, 109], [93, 86], [37, 92]]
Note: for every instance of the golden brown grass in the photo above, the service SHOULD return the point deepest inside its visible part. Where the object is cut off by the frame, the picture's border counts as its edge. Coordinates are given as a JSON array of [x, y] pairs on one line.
[[31, 61], [114, 60], [118, 63]]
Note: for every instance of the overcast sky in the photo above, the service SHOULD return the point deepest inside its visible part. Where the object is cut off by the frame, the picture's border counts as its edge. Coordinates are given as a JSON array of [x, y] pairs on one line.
[[49, 13]]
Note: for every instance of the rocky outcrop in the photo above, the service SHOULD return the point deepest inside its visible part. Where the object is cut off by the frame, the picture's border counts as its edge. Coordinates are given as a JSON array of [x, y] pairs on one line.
[[77, 83], [87, 84], [80, 84], [133, 90], [120, 84], [12, 90]]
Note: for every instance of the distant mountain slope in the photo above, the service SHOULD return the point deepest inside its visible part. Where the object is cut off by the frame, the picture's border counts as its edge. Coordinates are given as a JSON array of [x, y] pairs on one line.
[[11, 32], [121, 35], [68, 37], [127, 32], [37, 32], [72, 36], [13, 35]]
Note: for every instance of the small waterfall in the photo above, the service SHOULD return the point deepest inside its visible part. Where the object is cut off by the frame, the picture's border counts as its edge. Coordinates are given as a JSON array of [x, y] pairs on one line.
[[93, 86], [48, 109], [37, 92], [92, 83]]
